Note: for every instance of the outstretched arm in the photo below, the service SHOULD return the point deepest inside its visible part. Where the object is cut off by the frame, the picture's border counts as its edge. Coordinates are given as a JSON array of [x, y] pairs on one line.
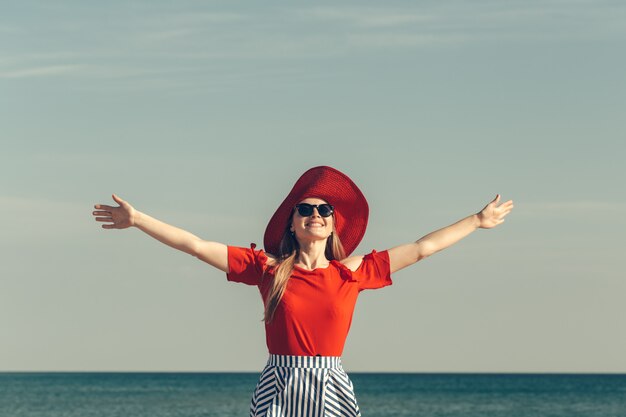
[[125, 216], [489, 217]]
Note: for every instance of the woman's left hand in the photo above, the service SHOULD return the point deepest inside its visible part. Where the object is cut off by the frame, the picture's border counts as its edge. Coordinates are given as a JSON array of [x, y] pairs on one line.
[[493, 214]]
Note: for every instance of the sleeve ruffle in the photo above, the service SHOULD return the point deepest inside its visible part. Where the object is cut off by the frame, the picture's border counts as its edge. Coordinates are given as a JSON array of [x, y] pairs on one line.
[[374, 271], [246, 265], [260, 258]]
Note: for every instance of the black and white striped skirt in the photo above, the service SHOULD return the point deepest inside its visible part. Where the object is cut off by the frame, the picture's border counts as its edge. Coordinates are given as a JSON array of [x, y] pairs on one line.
[[307, 386]]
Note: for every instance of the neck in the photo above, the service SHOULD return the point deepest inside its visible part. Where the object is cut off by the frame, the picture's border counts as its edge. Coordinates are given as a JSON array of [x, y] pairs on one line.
[[312, 255]]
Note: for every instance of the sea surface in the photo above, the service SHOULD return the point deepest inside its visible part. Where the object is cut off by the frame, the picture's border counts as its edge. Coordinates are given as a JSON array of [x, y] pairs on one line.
[[379, 394]]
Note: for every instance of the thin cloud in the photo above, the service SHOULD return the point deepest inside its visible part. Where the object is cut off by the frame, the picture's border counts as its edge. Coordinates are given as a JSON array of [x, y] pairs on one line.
[[184, 44], [45, 218], [183, 25], [572, 208], [40, 218], [27, 206], [383, 40], [8, 29], [191, 19], [166, 35], [365, 17], [50, 70], [479, 21], [36, 59]]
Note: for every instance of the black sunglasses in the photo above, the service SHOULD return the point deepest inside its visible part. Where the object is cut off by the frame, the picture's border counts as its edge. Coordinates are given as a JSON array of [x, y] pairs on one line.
[[305, 210]]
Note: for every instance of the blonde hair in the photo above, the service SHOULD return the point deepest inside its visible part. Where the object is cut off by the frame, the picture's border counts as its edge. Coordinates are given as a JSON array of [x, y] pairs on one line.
[[284, 261]]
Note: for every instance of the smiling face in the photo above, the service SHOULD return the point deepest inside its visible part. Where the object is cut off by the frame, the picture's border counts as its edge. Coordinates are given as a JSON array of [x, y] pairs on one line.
[[313, 227]]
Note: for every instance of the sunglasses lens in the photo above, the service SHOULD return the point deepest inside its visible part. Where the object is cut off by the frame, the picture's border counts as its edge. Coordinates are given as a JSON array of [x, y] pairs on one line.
[[325, 210], [305, 210]]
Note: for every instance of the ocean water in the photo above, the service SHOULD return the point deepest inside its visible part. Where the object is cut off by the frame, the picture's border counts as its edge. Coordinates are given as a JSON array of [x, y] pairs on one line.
[[228, 395]]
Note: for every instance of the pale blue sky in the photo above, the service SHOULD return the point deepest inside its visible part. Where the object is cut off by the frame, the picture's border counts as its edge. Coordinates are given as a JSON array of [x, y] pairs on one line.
[[203, 114]]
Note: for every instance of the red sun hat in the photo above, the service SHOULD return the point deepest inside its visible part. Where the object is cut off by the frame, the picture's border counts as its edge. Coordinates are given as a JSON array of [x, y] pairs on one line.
[[334, 187]]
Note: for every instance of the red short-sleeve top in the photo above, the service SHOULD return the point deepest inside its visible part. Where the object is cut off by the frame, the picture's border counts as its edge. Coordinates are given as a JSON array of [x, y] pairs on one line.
[[315, 312]]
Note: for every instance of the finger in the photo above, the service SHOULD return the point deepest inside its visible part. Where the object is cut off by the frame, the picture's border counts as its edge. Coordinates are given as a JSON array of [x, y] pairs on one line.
[[108, 226], [495, 200], [117, 199], [104, 219], [502, 209], [103, 206], [101, 213]]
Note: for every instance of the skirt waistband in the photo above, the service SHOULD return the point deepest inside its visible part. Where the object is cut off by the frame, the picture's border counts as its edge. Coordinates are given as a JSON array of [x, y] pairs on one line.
[[309, 362]]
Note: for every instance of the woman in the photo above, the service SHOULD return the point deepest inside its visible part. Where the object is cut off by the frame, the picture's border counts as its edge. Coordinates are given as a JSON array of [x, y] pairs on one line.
[[308, 281]]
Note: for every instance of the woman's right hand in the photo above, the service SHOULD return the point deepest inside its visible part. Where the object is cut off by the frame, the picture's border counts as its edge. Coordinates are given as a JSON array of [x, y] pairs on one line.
[[118, 217]]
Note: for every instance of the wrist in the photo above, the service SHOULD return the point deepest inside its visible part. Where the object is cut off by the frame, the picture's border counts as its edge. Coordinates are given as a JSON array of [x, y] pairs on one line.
[[136, 218], [476, 220]]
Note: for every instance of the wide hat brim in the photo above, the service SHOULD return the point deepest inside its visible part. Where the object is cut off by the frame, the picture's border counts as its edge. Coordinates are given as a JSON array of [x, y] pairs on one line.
[[337, 189]]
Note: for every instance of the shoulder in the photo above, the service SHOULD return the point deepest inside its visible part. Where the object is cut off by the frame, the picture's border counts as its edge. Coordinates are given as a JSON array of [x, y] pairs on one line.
[[353, 262]]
